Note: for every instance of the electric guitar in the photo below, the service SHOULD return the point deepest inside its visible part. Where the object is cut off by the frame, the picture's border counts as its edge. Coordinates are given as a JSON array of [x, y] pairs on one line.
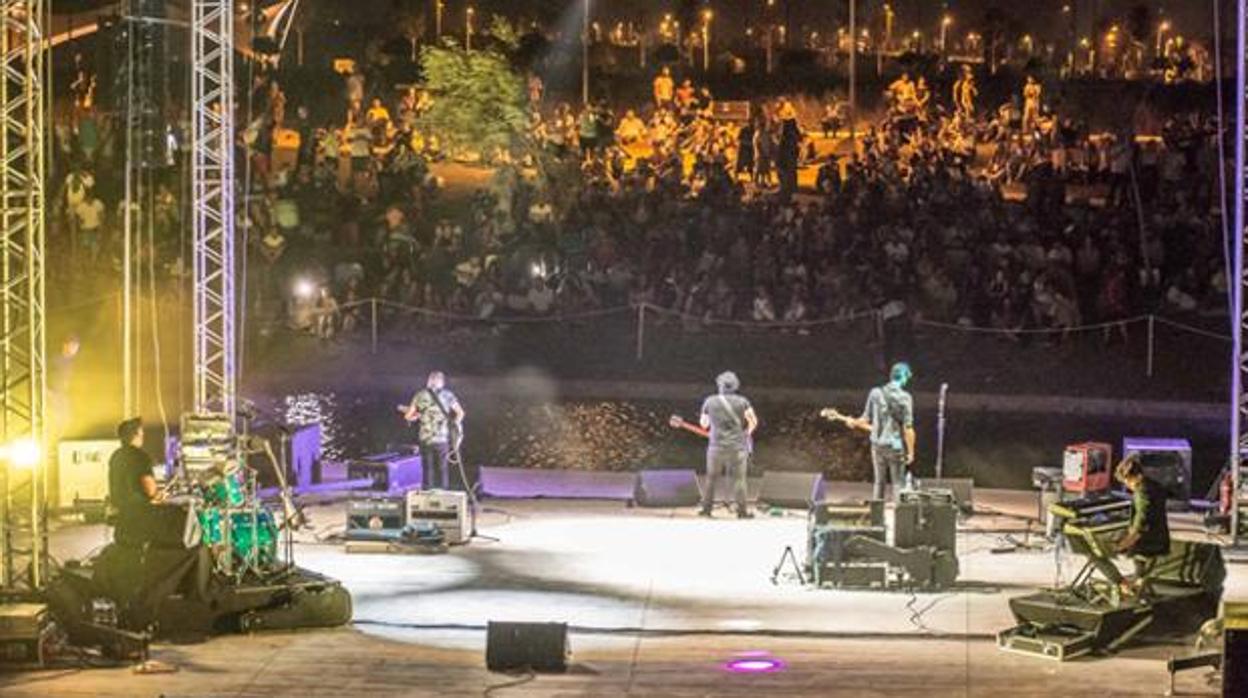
[[834, 415], [678, 422], [454, 428]]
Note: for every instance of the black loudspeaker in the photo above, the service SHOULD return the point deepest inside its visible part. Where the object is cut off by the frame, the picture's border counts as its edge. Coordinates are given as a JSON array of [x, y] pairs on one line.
[[791, 490], [1235, 658], [526, 646], [963, 489], [923, 519], [667, 488]]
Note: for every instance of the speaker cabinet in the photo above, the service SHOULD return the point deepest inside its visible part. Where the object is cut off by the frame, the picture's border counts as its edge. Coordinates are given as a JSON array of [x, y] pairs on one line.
[[526, 646], [667, 488], [791, 490]]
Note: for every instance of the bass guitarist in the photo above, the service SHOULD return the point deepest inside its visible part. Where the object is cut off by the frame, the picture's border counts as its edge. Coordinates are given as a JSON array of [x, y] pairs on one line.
[[731, 420], [441, 420], [889, 418]]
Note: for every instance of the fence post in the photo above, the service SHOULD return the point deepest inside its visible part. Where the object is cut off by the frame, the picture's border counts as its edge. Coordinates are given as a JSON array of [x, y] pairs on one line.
[[641, 331], [1149, 363], [372, 302]]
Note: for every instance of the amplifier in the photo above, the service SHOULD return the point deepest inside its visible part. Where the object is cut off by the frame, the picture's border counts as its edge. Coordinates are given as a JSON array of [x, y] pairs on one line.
[[1234, 650], [25, 633], [82, 471], [1169, 462], [390, 472], [375, 518], [1087, 468], [869, 513], [926, 517], [443, 509]]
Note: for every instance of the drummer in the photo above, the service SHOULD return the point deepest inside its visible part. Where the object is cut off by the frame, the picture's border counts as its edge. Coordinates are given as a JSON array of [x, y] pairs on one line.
[[132, 487]]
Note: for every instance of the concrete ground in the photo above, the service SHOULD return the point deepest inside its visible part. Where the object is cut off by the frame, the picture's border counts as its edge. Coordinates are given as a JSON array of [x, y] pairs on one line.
[[661, 601]]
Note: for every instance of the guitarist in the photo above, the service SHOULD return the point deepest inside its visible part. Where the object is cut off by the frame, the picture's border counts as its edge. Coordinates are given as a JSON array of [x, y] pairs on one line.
[[731, 421], [441, 420], [889, 418]]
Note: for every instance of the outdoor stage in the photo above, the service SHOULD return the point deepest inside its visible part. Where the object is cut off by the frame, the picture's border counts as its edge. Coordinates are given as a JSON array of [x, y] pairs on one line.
[[661, 600]]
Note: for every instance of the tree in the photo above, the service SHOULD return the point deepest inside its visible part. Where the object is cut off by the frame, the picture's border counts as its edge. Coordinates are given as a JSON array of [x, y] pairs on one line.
[[478, 100]]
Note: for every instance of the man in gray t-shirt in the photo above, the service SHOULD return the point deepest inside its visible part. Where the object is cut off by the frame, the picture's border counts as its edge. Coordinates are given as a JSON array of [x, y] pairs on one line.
[[731, 421], [889, 417]]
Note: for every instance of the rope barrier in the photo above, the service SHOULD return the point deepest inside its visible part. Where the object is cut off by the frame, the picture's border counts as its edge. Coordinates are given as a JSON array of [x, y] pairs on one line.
[[1194, 330], [506, 320], [770, 324], [1033, 330], [766, 324]]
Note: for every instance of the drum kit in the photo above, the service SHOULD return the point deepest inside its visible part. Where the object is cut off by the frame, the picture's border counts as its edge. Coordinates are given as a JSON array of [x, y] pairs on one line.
[[238, 529]]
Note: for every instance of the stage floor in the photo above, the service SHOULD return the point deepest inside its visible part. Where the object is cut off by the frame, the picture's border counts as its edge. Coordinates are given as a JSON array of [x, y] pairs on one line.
[[661, 600]]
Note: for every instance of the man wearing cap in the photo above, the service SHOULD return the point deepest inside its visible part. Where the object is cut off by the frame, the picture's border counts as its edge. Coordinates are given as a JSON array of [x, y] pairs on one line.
[[731, 421], [131, 486], [889, 417]]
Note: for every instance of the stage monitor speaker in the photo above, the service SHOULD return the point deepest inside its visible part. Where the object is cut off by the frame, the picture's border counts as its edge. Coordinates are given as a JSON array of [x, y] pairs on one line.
[[791, 490], [526, 646], [963, 490], [667, 488]]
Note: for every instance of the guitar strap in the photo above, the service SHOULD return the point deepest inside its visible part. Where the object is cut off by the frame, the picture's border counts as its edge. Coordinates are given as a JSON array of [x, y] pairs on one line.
[[438, 402], [731, 412]]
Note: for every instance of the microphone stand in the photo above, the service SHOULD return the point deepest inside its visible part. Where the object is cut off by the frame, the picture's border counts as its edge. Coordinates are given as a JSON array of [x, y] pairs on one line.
[[940, 430], [471, 490]]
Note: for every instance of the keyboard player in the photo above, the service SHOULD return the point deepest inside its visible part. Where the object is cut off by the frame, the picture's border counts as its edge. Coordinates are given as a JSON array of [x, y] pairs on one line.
[[1148, 535]]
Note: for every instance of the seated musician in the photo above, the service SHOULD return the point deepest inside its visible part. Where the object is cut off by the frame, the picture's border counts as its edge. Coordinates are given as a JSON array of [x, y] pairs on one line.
[[132, 488], [1148, 535]]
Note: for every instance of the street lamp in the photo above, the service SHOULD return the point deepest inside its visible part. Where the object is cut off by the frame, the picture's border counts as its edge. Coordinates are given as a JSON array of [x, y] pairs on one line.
[[438, 7], [468, 28], [585, 56], [707, 16], [888, 26], [1161, 32], [945, 23]]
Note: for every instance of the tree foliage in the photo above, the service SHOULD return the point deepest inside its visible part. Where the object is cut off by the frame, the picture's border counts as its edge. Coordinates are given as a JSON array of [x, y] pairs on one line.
[[478, 100]]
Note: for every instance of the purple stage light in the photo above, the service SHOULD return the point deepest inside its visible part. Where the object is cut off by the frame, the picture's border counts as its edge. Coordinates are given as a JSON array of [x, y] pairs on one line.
[[755, 663]]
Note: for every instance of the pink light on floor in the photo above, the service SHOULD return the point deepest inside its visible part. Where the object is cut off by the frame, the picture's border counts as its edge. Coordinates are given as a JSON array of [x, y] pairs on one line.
[[754, 663]]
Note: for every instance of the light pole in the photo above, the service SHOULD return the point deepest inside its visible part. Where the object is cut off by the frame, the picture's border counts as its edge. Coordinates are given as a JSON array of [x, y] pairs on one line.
[[945, 22], [1161, 32], [707, 16], [438, 6], [585, 55], [853, 73], [468, 28]]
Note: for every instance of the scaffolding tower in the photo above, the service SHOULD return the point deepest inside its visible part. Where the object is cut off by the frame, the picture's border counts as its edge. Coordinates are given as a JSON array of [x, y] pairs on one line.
[[1239, 371], [23, 475], [212, 184]]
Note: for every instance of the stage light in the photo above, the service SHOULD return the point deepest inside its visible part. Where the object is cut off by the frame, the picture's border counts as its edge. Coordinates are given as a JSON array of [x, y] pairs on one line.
[[23, 453], [755, 663], [304, 288]]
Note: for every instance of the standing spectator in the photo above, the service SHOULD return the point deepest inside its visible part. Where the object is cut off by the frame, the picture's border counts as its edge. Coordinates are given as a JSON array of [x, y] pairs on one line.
[[90, 215], [664, 87], [1031, 104]]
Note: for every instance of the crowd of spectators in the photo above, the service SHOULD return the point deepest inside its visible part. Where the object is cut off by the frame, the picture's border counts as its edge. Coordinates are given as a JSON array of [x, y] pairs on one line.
[[1012, 218]]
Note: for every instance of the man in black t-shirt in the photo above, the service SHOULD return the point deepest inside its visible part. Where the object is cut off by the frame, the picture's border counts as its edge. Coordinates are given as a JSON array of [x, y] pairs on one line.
[[131, 486], [731, 421]]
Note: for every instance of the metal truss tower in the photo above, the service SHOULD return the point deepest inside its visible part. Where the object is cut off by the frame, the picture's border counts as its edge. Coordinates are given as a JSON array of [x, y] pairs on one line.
[[1239, 321], [23, 475], [212, 183]]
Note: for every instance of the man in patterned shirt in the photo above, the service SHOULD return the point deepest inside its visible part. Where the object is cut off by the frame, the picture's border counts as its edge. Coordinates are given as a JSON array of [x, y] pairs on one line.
[[441, 419]]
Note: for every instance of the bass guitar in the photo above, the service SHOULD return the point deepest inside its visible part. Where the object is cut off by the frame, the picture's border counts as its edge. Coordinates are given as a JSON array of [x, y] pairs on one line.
[[454, 428], [834, 415], [678, 422]]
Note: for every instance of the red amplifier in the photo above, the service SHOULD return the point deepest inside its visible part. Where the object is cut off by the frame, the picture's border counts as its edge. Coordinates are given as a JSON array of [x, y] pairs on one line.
[[1087, 468]]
